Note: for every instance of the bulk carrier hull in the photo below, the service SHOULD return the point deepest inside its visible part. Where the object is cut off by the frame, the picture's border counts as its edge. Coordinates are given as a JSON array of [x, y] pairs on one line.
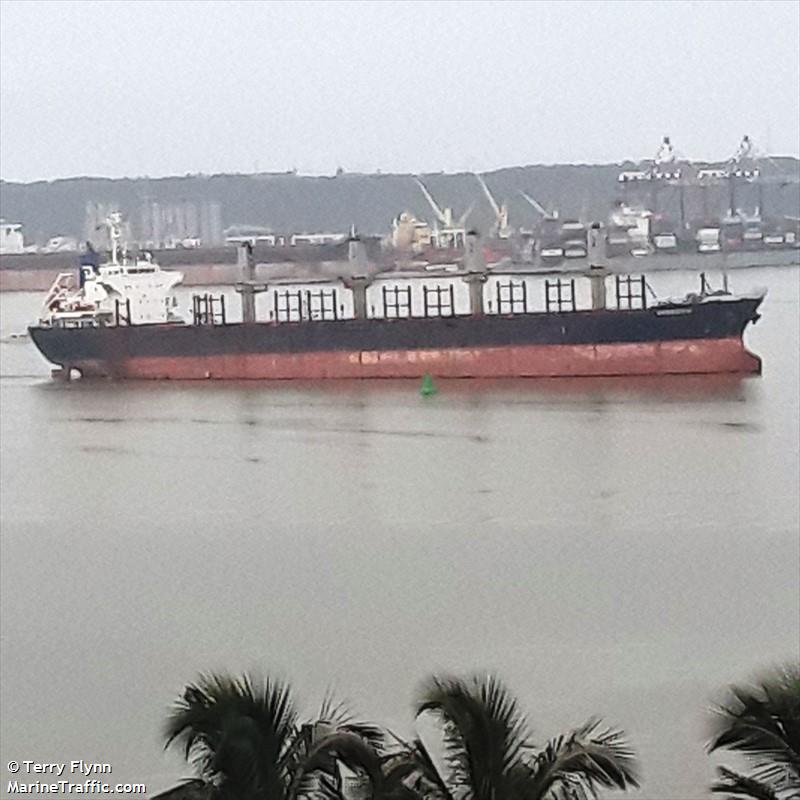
[[683, 338]]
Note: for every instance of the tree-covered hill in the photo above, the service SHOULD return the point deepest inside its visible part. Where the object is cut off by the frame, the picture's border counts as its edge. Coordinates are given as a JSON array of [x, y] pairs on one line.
[[299, 203]]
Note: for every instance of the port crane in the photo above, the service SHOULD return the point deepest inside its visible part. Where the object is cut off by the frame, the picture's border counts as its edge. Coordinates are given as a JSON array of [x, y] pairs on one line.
[[547, 231], [652, 177], [665, 164], [538, 207], [451, 229], [742, 166], [666, 170], [501, 227]]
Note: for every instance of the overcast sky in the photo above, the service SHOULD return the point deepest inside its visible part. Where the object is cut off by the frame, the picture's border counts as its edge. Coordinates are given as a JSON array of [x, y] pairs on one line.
[[158, 88]]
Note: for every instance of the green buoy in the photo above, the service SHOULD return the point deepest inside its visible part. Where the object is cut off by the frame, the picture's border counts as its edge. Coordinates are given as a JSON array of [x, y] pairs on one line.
[[428, 387]]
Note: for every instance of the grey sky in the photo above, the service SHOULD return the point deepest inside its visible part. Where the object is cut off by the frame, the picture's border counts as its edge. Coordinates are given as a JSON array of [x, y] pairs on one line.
[[135, 88]]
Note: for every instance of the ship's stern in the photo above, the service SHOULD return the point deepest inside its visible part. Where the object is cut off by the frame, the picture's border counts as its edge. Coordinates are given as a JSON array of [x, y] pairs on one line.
[[69, 351]]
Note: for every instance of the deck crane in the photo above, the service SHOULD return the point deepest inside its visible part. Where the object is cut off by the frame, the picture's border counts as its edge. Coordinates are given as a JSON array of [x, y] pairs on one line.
[[501, 228]]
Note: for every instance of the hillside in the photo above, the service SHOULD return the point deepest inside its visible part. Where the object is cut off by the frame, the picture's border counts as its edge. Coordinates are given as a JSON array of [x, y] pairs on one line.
[[288, 202]]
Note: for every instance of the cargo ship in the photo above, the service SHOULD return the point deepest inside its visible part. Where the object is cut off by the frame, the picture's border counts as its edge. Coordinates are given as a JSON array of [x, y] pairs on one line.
[[310, 336]]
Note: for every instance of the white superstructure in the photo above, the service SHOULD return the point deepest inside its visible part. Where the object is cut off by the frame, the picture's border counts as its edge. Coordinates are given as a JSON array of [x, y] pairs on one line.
[[132, 291]]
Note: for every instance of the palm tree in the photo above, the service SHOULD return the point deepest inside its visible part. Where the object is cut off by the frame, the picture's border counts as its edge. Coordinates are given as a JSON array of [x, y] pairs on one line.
[[246, 743], [763, 723], [487, 753]]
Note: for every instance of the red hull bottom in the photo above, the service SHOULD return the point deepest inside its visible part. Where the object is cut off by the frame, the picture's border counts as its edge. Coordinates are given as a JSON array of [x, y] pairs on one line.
[[694, 356]]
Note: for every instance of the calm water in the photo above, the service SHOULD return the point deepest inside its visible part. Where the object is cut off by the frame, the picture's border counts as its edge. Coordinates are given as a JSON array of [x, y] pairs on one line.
[[610, 547]]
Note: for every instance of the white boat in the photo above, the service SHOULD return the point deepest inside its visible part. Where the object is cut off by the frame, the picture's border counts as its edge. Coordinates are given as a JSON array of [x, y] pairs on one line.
[[129, 290]]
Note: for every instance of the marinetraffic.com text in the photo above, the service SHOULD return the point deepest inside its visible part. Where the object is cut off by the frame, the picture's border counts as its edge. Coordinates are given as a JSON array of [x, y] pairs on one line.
[[62, 778]]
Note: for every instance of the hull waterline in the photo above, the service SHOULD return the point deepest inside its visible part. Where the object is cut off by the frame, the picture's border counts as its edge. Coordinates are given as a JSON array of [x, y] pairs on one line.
[[702, 339]]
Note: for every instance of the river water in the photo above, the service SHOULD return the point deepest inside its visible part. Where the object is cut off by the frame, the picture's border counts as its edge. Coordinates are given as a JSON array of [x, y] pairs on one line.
[[611, 547]]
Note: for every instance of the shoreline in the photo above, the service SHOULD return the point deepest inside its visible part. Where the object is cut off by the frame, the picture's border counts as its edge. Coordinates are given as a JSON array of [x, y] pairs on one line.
[[228, 274]]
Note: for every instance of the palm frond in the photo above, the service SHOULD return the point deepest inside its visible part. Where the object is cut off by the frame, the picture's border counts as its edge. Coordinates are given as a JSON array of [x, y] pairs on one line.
[[234, 730], [337, 715], [485, 732], [735, 785], [411, 767], [763, 722], [326, 786], [782, 776], [589, 758], [320, 768]]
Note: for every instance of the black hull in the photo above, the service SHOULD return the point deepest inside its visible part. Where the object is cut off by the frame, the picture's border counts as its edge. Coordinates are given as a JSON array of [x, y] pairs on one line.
[[111, 350]]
